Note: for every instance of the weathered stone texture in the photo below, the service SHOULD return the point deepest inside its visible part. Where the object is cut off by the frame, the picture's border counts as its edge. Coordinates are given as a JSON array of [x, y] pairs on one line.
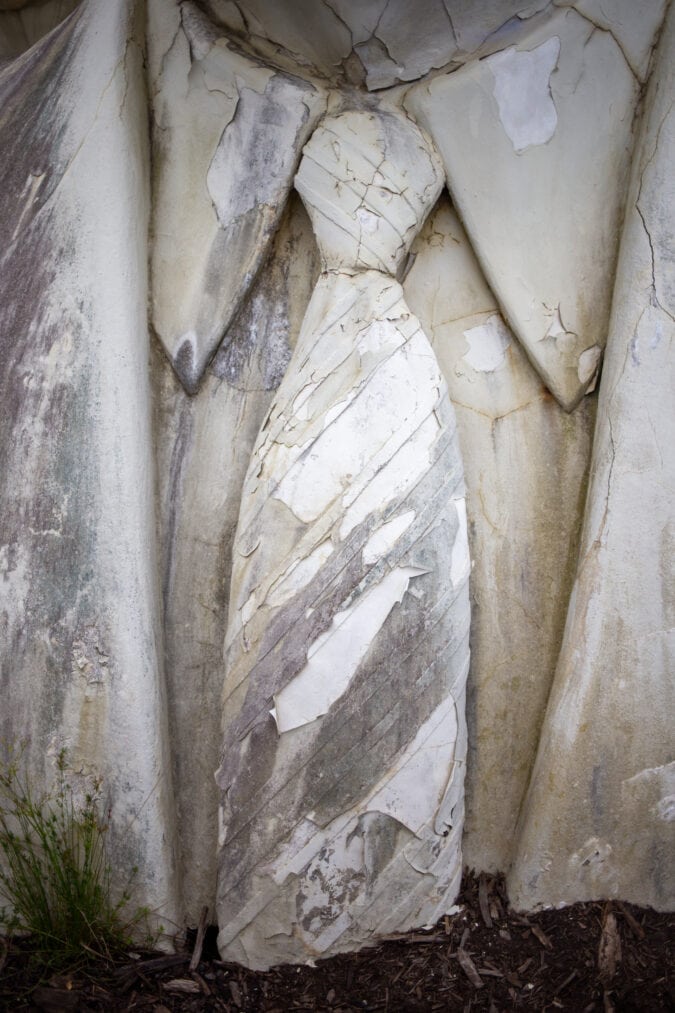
[[227, 140], [81, 636], [554, 113], [204, 446], [599, 815], [525, 463]]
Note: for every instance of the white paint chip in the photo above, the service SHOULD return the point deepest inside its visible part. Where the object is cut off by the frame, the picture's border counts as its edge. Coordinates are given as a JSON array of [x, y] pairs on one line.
[[298, 575], [385, 537], [334, 657], [460, 565], [556, 327], [300, 407], [336, 411], [523, 95], [368, 220], [488, 344], [249, 607], [397, 476], [422, 772], [588, 363], [388, 412], [592, 854]]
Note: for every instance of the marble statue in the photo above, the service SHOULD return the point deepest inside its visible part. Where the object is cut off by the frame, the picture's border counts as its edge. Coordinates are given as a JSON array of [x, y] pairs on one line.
[[314, 316]]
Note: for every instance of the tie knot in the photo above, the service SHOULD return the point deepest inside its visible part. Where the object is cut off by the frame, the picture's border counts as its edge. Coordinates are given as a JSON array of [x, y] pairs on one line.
[[368, 180]]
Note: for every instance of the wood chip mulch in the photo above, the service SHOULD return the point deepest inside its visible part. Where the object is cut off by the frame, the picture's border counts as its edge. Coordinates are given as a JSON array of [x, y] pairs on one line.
[[589, 957]]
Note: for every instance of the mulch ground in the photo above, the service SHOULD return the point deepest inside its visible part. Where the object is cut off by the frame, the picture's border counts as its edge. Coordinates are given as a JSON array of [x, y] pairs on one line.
[[601, 956]]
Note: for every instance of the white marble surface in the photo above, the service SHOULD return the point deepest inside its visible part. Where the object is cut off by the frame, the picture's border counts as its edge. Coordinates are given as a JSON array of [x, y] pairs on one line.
[[79, 599], [634, 26], [554, 114], [378, 42], [227, 139], [525, 463], [599, 815], [204, 445]]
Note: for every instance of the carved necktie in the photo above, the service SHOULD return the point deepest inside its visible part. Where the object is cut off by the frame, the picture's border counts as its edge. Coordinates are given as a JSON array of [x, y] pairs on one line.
[[343, 762]]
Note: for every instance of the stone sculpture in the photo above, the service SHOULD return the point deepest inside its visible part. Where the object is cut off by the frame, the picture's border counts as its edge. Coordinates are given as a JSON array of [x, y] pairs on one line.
[[113, 626]]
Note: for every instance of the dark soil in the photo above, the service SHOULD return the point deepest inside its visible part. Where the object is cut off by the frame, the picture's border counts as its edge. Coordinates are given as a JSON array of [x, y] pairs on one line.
[[588, 957]]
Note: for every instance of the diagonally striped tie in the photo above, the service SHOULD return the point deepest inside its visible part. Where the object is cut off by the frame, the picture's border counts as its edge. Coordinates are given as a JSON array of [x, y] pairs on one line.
[[347, 646]]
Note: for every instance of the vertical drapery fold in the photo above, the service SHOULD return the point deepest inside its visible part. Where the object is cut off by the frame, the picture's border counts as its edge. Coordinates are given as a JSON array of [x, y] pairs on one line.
[[598, 821], [82, 665]]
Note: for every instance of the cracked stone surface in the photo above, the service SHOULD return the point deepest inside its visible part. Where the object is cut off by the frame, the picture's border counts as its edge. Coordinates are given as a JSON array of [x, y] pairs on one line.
[[599, 816], [554, 113], [347, 645], [227, 139], [204, 445], [79, 605], [391, 41], [525, 465], [384, 177], [634, 27]]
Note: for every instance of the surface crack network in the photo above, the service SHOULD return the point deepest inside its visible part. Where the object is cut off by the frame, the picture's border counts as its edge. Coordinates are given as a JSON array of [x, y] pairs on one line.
[[608, 31]]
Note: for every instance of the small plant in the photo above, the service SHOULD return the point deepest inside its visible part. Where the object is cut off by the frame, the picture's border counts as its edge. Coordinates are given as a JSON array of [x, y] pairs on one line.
[[54, 871]]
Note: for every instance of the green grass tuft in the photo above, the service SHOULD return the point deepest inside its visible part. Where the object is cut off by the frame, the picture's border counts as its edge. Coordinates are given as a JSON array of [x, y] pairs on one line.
[[55, 876]]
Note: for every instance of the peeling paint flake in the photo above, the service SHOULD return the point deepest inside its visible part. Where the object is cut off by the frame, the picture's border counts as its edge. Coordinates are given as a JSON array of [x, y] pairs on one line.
[[523, 95], [592, 854], [390, 406], [298, 575], [556, 327], [460, 566], [589, 362], [488, 345], [300, 406], [250, 606], [333, 413], [412, 795], [334, 657], [385, 537], [394, 479]]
